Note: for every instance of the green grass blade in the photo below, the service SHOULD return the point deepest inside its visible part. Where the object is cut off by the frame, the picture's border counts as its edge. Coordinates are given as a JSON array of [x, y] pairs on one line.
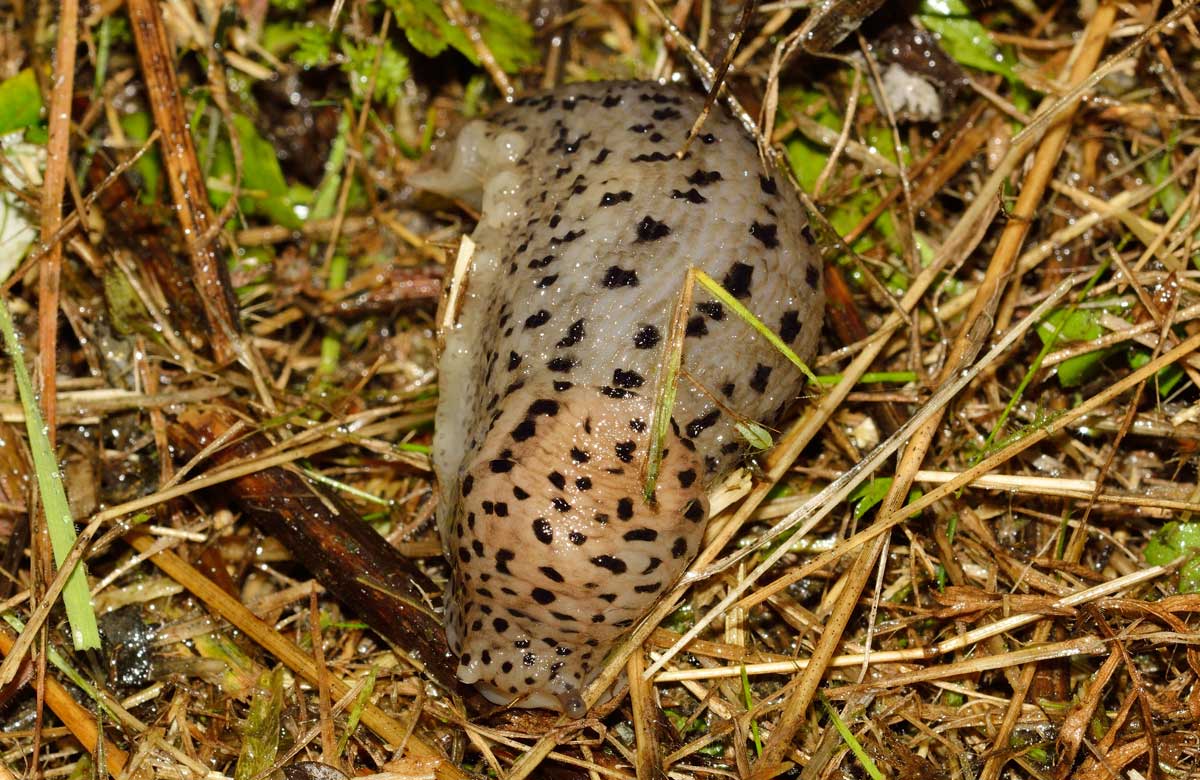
[[872, 377], [361, 702], [855, 746], [668, 382], [749, 698], [59, 523], [721, 294]]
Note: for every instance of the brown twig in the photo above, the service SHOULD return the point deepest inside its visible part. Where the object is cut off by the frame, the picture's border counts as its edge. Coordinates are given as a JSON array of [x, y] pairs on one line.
[[58, 167], [183, 173]]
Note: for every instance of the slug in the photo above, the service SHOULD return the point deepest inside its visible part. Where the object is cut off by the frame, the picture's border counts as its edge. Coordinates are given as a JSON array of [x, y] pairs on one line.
[[588, 224]]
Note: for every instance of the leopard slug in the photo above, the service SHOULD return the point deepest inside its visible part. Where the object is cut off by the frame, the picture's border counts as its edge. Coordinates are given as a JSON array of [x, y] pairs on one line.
[[589, 223]]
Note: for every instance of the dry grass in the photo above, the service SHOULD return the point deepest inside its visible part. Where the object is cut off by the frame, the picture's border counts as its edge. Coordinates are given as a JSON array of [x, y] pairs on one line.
[[947, 549]]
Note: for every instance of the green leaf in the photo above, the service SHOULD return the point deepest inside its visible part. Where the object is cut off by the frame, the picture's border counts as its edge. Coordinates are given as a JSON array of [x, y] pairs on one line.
[[963, 38], [314, 46], [361, 702], [1158, 170], [125, 309], [360, 64], [1176, 539], [1189, 577], [20, 102], [260, 730], [807, 159], [279, 38], [1065, 325], [264, 190], [869, 495], [873, 492], [509, 37], [1074, 371], [1068, 325], [1167, 377]]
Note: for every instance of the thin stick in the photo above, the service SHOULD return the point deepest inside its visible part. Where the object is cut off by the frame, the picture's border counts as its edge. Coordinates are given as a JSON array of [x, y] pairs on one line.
[[953, 645], [210, 273], [58, 166], [641, 697]]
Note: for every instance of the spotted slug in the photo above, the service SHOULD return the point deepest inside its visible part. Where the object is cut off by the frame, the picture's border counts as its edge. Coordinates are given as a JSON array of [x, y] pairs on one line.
[[588, 224]]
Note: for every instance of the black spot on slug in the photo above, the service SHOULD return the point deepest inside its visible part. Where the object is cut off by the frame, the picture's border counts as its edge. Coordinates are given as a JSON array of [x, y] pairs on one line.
[[615, 276], [654, 157], [789, 326], [627, 379], [766, 234], [613, 198], [650, 229], [524, 431], [737, 280], [697, 425], [646, 337], [537, 319], [615, 565], [703, 178], [691, 196], [575, 334], [758, 382], [547, 407]]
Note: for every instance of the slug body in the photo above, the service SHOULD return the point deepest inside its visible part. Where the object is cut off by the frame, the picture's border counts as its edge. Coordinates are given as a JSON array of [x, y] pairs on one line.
[[547, 381]]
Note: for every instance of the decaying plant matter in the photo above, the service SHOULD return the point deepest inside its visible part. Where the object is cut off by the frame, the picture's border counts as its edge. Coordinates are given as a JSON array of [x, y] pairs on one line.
[[971, 552]]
